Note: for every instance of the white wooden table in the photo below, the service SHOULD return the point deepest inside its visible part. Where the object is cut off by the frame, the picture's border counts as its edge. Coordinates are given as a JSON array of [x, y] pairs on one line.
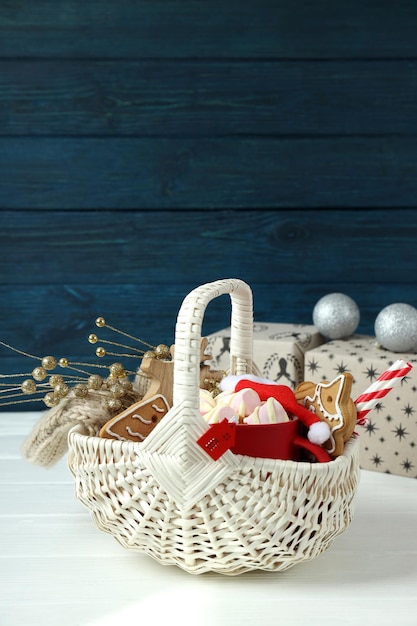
[[58, 569]]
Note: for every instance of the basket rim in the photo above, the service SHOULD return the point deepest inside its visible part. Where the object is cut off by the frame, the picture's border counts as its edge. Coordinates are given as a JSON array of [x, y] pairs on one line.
[[133, 448]]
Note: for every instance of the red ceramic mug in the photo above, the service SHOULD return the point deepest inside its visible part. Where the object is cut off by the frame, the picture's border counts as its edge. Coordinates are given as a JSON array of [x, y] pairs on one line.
[[275, 441]]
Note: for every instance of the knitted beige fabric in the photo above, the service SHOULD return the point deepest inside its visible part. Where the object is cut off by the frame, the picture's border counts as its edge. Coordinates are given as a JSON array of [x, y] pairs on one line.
[[48, 441]]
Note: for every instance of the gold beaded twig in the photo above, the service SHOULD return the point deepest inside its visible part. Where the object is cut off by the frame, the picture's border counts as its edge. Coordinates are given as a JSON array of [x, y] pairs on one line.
[[116, 384]]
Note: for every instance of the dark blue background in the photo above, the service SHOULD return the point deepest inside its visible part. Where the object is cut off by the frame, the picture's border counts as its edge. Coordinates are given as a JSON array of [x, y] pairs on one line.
[[147, 147]]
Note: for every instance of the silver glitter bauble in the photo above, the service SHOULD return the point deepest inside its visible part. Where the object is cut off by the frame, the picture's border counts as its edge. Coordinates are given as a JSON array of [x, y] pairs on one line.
[[336, 316], [396, 327]]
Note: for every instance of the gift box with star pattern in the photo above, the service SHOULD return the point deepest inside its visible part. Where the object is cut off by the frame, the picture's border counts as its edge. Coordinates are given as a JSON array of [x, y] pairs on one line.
[[278, 350], [389, 440]]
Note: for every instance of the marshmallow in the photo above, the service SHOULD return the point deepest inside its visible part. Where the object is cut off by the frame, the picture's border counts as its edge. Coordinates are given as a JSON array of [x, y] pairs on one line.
[[219, 413], [244, 402], [269, 412], [207, 402]]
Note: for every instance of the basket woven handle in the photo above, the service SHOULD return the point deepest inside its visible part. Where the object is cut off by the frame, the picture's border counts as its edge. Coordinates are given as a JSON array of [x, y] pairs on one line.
[[188, 336]]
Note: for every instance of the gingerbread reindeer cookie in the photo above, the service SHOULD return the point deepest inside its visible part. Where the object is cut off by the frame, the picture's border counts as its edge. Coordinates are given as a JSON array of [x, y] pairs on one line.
[[332, 403]]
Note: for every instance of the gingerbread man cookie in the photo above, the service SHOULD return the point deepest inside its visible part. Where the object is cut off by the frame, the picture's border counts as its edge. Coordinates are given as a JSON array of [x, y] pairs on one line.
[[332, 403]]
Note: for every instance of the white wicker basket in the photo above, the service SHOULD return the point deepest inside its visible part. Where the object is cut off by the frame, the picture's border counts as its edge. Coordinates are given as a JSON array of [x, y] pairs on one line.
[[167, 498]]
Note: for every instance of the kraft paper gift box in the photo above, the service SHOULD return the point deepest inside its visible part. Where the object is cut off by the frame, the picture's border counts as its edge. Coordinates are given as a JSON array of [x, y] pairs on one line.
[[278, 350], [389, 440]]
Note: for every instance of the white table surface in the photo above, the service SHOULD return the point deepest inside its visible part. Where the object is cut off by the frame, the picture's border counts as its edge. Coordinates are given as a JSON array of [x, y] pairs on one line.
[[57, 569]]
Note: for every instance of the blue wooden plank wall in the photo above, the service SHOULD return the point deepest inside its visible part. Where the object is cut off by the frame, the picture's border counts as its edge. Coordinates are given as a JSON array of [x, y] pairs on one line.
[[149, 146]]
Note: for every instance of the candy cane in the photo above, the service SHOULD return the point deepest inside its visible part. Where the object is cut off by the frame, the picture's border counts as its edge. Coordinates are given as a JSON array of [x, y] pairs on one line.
[[379, 389]]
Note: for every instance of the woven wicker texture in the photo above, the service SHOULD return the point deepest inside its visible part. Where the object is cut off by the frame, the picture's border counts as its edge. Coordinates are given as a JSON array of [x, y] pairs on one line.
[[167, 498]]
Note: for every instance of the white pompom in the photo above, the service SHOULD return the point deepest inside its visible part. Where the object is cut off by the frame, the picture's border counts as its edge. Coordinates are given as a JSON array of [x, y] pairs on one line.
[[318, 433], [228, 383]]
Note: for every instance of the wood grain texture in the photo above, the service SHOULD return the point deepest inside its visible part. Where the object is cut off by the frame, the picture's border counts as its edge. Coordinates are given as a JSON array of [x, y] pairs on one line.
[[147, 147], [208, 173], [57, 319], [177, 247], [171, 28], [207, 98]]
